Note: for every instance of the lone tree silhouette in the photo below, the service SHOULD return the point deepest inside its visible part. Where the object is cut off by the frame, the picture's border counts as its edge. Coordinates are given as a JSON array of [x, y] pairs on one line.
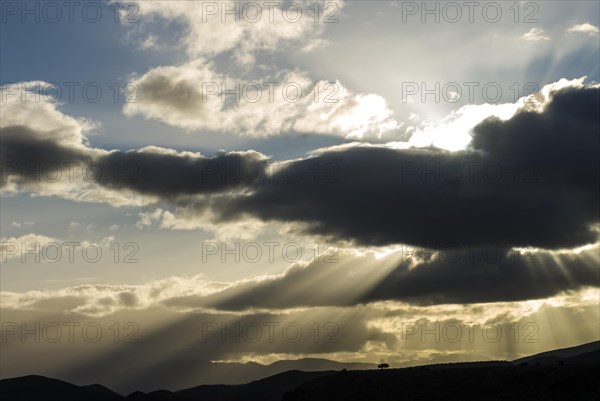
[[383, 366]]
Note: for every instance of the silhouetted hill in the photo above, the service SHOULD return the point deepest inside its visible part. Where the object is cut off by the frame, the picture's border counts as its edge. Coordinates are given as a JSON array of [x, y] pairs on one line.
[[451, 358], [485, 383], [556, 355], [28, 388], [467, 365], [574, 378], [269, 389], [317, 364], [590, 357], [160, 395]]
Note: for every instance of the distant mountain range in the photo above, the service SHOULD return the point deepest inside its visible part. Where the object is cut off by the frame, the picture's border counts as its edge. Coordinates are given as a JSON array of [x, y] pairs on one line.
[[237, 373], [562, 374]]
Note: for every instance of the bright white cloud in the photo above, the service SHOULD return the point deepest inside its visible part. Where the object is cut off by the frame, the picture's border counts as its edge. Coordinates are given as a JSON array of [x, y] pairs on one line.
[[453, 132], [25, 104], [585, 28], [21, 247], [535, 35]]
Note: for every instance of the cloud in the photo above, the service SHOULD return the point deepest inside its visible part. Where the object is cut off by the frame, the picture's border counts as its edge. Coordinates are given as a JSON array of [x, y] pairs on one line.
[[46, 151], [174, 350], [534, 35], [43, 248], [585, 28], [19, 224], [100, 300], [23, 246], [454, 132], [55, 159], [90, 174], [348, 278], [169, 175], [237, 27], [25, 103], [536, 170], [185, 218], [527, 181], [474, 274], [193, 96]]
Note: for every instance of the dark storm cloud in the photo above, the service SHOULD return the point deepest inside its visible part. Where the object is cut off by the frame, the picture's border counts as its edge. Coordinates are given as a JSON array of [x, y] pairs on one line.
[[529, 181], [171, 175], [507, 276], [29, 158]]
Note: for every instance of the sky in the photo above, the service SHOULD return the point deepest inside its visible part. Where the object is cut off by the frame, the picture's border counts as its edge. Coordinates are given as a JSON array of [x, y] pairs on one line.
[[187, 182]]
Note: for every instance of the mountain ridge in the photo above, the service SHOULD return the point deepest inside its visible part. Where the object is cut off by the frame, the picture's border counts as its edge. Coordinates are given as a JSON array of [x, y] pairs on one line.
[[299, 385]]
